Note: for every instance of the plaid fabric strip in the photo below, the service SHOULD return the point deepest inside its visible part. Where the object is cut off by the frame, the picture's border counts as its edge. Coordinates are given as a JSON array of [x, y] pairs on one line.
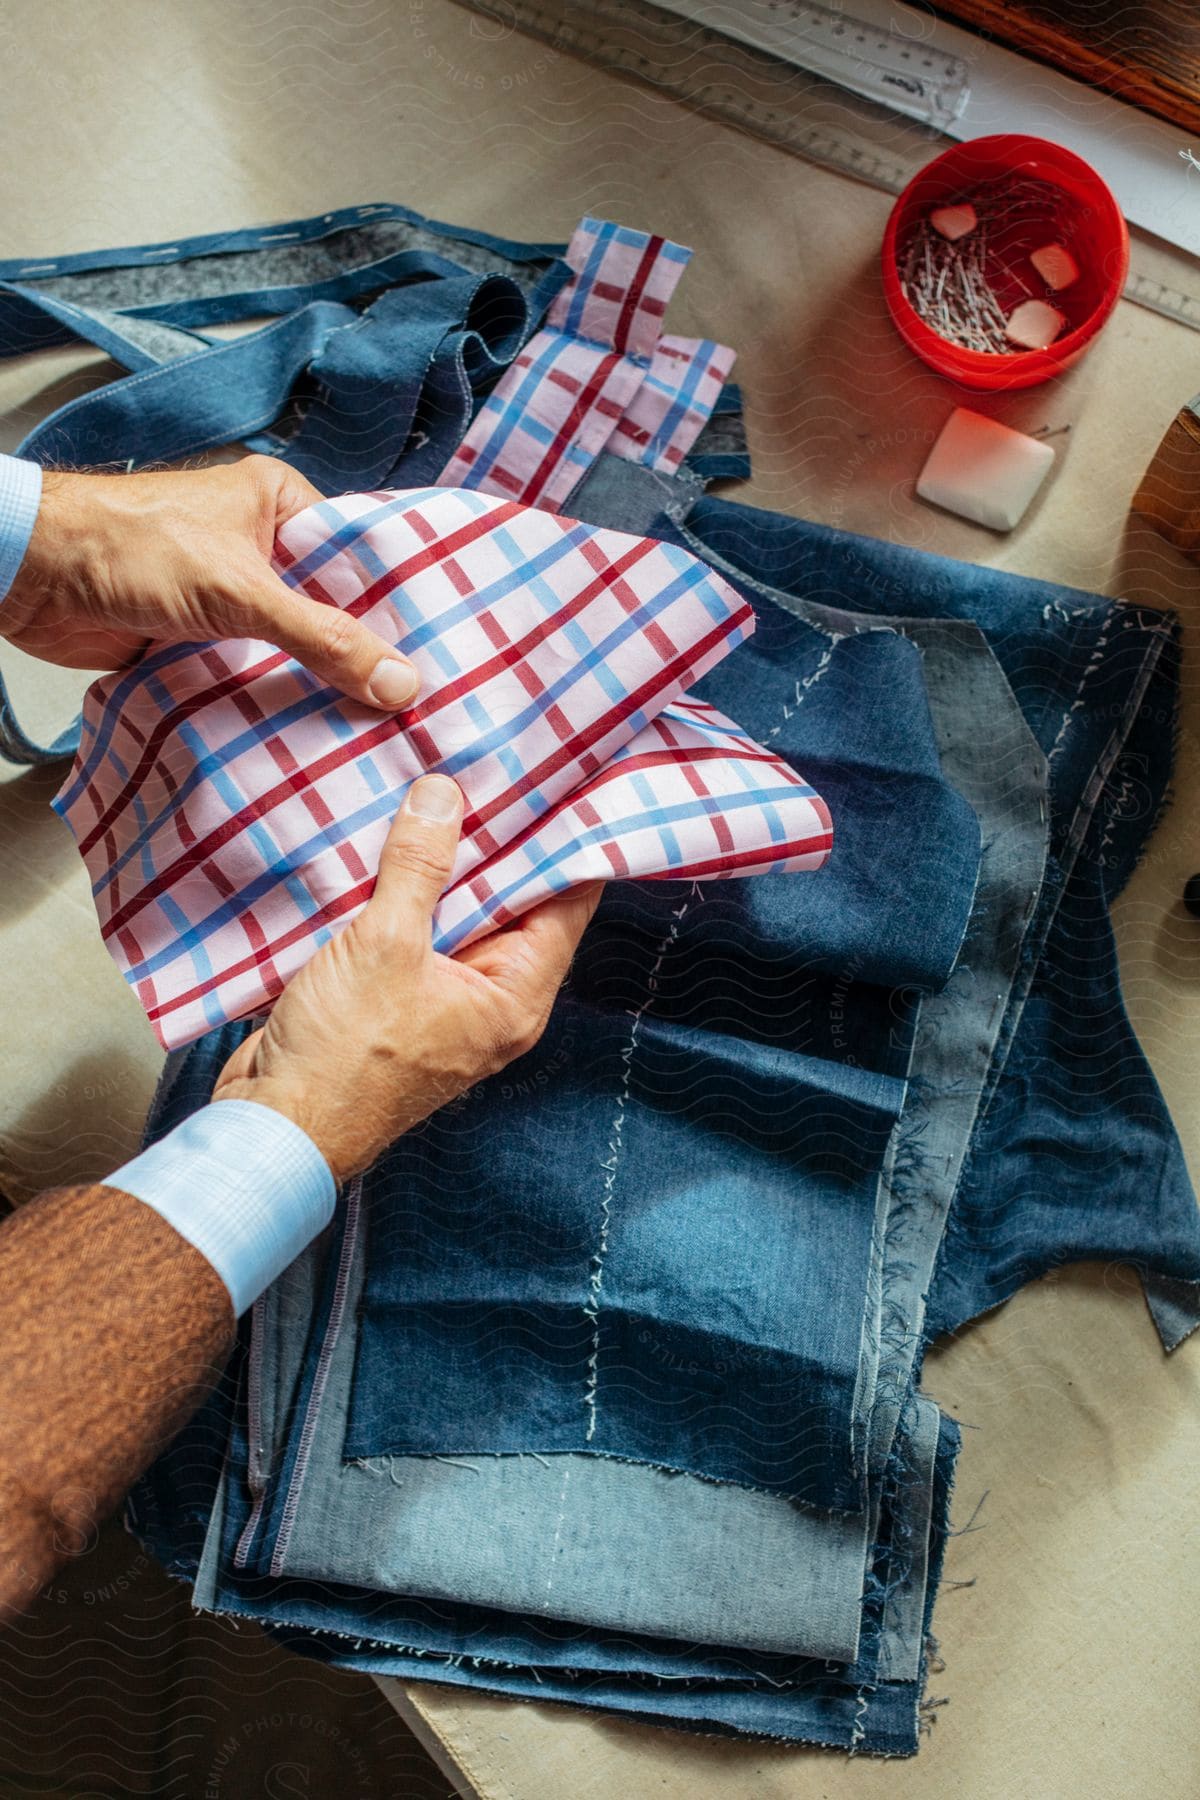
[[674, 402], [562, 398], [231, 811], [623, 282]]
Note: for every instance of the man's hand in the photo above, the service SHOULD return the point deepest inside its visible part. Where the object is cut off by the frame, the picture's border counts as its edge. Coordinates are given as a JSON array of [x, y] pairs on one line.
[[119, 562], [378, 1030]]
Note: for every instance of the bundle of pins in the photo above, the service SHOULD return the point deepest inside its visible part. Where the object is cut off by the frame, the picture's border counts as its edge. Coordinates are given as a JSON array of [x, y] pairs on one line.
[[946, 281]]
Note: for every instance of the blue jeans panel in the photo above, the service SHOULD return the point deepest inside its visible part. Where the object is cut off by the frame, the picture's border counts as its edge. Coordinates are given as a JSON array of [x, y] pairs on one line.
[[787, 1579], [607, 1544], [396, 1525], [533, 1503], [171, 1501], [1076, 1158], [1097, 682], [349, 366], [142, 304], [980, 730], [709, 1047], [763, 1023], [794, 1699], [482, 1266], [133, 303], [954, 1037], [1091, 1116], [221, 277]]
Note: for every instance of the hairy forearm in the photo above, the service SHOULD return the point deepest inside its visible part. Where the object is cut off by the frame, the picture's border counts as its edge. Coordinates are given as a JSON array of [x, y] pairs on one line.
[[112, 1328]]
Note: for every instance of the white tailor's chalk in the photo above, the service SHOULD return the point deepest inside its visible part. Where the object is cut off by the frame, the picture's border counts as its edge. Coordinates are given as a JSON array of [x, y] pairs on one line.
[[953, 221], [1056, 266], [1034, 324], [984, 471]]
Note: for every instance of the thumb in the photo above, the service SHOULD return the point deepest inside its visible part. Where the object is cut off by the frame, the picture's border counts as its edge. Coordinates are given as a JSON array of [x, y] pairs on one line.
[[418, 856], [336, 647]]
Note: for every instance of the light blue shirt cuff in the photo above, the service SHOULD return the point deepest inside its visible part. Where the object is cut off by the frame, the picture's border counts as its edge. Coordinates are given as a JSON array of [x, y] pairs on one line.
[[20, 497], [243, 1184]]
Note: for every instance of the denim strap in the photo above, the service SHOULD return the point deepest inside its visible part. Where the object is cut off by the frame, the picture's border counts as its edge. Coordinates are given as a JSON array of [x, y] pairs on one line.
[[228, 276]]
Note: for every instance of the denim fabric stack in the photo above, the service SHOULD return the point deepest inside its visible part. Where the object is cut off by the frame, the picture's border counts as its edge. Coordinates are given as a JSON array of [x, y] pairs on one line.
[[603, 1384]]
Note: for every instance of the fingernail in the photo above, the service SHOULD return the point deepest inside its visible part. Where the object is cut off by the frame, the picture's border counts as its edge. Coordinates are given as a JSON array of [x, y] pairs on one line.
[[393, 682], [434, 797]]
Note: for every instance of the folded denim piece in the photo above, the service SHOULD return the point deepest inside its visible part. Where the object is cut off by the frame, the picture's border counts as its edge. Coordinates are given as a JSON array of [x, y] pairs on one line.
[[231, 811], [453, 335], [1075, 1156], [855, 666], [990, 753], [793, 1580], [376, 1478], [854, 1707], [191, 1514], [1089, 661], [1077, 1108], [518, 1534], [795, 1699], [701, 1052], [643, 391], [589, 1541], [434, 345], [447, 1514], [143, 306]]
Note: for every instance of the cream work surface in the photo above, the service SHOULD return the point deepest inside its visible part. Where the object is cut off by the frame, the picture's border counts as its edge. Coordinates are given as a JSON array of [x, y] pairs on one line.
[[1070, 1656]]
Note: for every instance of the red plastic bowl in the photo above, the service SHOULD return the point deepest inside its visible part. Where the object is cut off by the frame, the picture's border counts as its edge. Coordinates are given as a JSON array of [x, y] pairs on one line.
[[1090, 221]]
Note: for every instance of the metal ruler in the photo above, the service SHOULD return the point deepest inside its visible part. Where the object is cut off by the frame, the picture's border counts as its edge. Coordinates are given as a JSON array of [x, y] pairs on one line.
[[1150, 290], [897, 72], [805, 113]]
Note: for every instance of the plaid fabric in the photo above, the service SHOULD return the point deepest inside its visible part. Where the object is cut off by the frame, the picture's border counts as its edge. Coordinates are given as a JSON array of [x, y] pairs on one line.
[[231, 811], [562, 398], [690, 795], [674, 402], [623, 281]]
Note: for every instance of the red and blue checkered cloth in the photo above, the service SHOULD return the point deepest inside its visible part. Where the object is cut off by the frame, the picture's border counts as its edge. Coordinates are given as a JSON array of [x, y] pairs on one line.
[[231, 811], [598, 376]]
